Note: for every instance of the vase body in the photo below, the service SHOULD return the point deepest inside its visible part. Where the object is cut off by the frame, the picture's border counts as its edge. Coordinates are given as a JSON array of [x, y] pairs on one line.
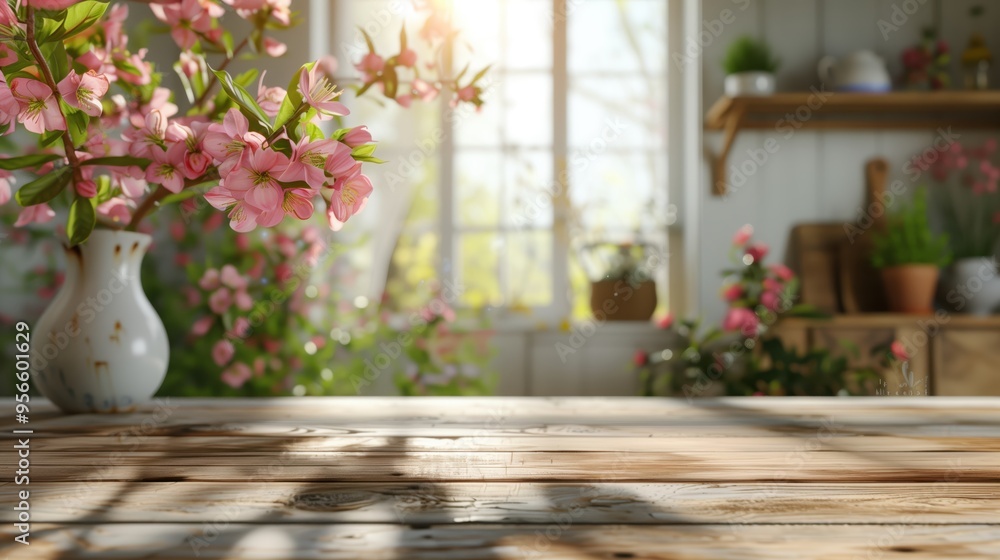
[[972, 286], [618, 300], [100, 346], [910, 288]]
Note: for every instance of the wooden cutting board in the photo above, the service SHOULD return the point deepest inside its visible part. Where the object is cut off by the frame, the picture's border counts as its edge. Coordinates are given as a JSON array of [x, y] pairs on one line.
[[815, 252], [861, 289]]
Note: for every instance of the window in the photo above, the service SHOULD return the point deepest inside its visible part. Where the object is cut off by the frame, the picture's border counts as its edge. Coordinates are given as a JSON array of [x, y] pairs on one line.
[[570, 148]]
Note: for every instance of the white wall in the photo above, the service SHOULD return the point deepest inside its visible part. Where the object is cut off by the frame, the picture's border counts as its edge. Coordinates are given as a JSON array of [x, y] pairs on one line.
[[814, 176]]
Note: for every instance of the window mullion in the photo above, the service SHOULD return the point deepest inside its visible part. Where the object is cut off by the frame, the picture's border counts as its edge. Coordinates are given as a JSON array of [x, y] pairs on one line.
[[561, 292], [447, 269]]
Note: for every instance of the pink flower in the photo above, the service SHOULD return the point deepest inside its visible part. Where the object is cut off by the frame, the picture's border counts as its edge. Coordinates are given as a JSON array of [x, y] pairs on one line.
[[640, 358], [9, 107], [236, 375], [666, 322], [220, 301], [242, 217], [222, 352], [86, 188], [741, 319], [7, 180], [407, 58], [84, 91], [186, 18], [270, 98], [772, 285], [229, 141], [350, 197], [243, 300], [310, 160], [467, 93], [371, 64], [274, 48], [50, 4], [404, 100], [231, 277], [209, 280], [116, 209], [357, 136], [423, 90], [148, 135], [733, 292], [743, 235], [782, 271], [320, 94], [256, 182], [241, 328], [899, 351], [298, 203], [202, 326], [757, 252], [39, 214], [167, 167], [770, 300], [39, 110]]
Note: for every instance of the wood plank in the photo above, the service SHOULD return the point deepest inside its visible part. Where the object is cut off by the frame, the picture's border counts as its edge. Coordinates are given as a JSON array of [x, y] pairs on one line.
[[561, 539], [476, 502], [240, 445], [830, 466]]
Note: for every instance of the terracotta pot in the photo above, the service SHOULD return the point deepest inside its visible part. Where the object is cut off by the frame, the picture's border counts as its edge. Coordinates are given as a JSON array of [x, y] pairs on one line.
[[910, 288], [617, 300]]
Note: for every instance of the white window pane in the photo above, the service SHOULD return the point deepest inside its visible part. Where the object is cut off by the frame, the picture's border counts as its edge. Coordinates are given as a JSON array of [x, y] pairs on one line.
[[479, 270], [528, 188], [481, 129], [617, 35], [528, 109], [479, 39], [617, 113], [615, 191], [529, 269], [528, 32], [477, 188]]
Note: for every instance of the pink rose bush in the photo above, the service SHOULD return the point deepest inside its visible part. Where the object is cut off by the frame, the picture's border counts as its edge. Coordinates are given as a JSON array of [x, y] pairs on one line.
[[114, 146]]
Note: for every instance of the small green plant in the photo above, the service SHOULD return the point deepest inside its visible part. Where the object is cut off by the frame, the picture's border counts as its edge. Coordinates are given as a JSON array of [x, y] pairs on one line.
[[747, 54], [908, 239]]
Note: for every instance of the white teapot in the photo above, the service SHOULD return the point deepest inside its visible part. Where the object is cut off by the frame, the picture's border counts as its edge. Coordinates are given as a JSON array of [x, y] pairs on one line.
[[861, 71]]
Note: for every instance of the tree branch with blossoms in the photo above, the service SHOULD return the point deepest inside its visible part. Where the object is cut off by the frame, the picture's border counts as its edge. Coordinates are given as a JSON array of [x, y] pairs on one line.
[[68, 76]]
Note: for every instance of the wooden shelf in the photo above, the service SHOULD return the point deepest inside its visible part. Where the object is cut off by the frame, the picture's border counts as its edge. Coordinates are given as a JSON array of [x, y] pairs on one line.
[[785, 112], [893, 320]]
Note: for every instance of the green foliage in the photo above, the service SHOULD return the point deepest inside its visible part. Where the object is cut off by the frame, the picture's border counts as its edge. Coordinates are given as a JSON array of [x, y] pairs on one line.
[[747, 54], [908, 239]]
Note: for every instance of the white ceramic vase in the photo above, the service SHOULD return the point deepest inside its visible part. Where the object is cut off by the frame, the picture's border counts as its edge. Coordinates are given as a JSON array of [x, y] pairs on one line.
[[100, 346], [972, 285]]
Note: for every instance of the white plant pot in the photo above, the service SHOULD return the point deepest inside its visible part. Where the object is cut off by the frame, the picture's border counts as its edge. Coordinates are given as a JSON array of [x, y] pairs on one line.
[[749, 83], [972, 286], [100, 346]]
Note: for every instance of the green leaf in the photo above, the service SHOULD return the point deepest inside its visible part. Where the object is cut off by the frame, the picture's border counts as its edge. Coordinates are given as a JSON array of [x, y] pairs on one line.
[[117, 161], [77, 122], [479, 75], [44, 188], [365, 150], [82, 219], [369, 159], [292, 101], [61, 25], [246, 102], [390, 80], [368, 40], [462, 73], [402, 38], [20, 162], [178, 197], [50, 137], [55, 55]]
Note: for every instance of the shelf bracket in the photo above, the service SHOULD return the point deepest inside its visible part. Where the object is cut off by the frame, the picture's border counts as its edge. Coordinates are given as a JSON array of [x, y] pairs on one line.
[[720, 179]]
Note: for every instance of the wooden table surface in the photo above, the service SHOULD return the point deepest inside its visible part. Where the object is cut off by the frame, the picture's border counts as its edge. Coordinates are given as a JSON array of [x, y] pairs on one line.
[[499, 478]]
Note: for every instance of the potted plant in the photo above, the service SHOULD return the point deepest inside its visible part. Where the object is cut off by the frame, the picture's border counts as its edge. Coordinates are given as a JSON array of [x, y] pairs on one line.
[[622, 287], [910, 256], [966, 200], [749, 67], [103, 140]]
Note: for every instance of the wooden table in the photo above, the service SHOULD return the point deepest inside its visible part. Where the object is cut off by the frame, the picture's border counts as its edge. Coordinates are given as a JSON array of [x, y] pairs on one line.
[[498, 478]]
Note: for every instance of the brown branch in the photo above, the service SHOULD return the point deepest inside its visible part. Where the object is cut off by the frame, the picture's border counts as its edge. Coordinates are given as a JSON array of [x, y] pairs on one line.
[[43, 67]]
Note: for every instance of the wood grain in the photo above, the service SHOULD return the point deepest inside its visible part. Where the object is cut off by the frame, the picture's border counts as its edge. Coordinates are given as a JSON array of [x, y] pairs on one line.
[[438, 502], [474, 542], [515, 478]]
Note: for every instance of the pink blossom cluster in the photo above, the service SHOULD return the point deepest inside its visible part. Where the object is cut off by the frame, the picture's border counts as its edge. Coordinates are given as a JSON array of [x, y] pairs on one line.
[[758, 290], [971, 165]]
